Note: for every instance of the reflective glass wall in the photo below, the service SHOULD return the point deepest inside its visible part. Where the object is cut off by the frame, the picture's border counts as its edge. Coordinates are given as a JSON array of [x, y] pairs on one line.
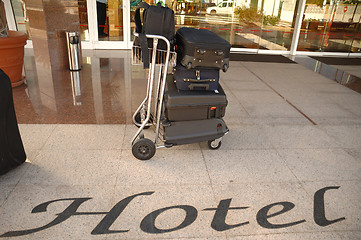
[[331, 26], [252, 24]]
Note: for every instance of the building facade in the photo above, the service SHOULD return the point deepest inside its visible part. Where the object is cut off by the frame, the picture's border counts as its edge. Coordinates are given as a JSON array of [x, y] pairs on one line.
[[308, 27]]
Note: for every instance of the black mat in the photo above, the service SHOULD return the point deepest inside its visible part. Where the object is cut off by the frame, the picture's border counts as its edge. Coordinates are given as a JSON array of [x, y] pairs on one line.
[[259, 58], [339, 61]]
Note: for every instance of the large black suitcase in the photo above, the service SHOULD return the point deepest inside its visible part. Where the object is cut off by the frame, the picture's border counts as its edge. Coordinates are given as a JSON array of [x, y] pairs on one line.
[[185, 132], [193, 105], [12, 151], [196, 78], [202, 48]]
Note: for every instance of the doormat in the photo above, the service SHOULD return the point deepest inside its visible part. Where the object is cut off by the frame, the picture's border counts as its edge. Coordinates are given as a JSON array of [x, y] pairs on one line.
[[259, 58]]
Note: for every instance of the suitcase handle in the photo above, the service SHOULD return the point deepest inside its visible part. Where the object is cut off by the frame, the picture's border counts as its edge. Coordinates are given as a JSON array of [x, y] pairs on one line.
[[219, 52], [200, 80], [192, 86]]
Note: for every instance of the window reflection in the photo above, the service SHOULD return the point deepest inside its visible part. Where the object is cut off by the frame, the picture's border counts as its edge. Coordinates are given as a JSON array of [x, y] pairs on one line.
[[110, 20], [21, 19], [331, 26]]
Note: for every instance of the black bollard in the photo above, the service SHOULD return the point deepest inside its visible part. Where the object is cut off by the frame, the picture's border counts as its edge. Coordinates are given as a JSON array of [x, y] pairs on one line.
[[12, 152]]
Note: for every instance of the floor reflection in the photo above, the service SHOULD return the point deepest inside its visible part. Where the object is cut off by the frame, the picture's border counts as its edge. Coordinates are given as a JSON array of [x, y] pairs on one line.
[[105, 91], [351, 81]]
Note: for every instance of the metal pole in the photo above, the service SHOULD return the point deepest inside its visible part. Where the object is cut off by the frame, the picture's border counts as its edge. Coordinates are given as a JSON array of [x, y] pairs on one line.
[[10, 16], [297, 29]]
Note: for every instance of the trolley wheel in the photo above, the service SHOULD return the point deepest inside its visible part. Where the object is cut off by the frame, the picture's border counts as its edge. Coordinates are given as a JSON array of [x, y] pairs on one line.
[[139, 120], [212, 144], [143, 149], [225, 68]]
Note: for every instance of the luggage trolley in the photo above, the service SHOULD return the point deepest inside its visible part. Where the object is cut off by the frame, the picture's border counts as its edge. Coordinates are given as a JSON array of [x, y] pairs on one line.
[[150, 112]]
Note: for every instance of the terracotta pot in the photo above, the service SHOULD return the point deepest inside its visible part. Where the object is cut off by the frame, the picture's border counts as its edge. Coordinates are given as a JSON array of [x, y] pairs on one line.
[[12, 56]]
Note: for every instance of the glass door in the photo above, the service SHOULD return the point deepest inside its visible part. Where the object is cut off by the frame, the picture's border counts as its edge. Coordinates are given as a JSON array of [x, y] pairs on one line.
[[109, 21]]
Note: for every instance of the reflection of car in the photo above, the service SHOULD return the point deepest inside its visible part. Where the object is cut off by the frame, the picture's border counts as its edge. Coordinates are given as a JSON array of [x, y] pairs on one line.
[[225, 7]]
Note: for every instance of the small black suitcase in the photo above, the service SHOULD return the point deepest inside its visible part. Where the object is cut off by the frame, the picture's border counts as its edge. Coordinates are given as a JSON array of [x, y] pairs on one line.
[[193, 105], [202, 48], [196, 78], [185, 132]]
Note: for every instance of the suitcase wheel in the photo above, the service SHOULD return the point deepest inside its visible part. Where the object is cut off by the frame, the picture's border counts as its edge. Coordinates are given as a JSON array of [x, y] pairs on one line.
[[214, 144], [225, 67], [143, 149]]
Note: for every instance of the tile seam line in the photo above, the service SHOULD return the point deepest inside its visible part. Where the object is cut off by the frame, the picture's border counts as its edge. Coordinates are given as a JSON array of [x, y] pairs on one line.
[[281, 156], [209, 177], [47, 139], [297, 232], [27, 168], [239, 102], [203, 184], [304, 115]]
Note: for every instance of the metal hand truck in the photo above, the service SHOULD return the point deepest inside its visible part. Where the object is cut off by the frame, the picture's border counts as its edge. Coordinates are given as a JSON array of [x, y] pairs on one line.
[[150, 112]]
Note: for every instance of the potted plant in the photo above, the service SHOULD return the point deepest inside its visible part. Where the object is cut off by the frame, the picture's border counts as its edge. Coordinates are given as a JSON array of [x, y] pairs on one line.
[[11, 50]]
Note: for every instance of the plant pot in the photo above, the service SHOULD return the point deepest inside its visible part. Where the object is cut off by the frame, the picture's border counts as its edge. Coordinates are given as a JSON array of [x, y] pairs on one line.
[[12, 56]]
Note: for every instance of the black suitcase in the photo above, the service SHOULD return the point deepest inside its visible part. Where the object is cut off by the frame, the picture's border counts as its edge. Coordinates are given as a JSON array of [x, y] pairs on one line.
[[193, 105], [185, 132], [12, 151], [202, 48], [196, 78]]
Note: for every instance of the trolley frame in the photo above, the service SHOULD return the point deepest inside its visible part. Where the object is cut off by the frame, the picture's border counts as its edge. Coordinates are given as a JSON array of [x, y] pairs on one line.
[[144, 148], [147, 102]]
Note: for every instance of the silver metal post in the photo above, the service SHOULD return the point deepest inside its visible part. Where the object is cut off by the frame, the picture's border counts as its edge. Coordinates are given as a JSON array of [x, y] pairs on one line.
[[297, 29]]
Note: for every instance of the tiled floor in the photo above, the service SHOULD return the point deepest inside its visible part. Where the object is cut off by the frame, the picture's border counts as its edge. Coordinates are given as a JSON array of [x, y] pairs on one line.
[[290, 167]]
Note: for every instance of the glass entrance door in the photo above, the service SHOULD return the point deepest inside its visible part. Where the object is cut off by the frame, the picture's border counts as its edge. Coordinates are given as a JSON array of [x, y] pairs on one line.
[[108, 24]]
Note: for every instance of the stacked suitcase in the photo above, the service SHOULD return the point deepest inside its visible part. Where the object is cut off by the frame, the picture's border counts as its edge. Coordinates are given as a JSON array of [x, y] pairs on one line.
[[195, 103]]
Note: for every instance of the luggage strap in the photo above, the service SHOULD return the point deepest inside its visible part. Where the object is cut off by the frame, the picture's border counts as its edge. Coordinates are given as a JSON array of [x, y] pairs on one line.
[[139, 28], [138, 21], [199, 80]]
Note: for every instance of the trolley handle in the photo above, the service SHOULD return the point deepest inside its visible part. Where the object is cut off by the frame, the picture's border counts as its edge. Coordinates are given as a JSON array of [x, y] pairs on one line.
[[144, 46], [156, 37]]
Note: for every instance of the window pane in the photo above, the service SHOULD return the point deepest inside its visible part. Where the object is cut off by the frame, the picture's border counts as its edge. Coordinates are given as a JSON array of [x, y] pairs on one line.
[[331, 26], [110, 20], [83, 20], [22, 22], [242, 22], [277, 24]]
